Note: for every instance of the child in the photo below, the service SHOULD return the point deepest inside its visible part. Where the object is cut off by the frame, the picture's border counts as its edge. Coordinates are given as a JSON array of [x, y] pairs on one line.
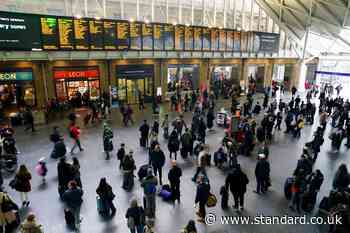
[[41, 168], [224, 197], [121, 154]]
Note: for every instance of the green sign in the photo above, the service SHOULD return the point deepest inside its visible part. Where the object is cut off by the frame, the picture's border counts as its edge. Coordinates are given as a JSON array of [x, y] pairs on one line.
[[16, 76]]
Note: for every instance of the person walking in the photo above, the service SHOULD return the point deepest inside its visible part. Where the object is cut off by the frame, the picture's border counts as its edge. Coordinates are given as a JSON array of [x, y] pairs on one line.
[[6, 223], [157, 160], [210, 118], [22, 184], [202, 195], [237, 182], [41, 169], [75, 135], [29, 119], [128, 167], [135, 216], [262, 174], [65, 174], [149, 184], [298, 188], [105, 192], [121, 154], [173, 144], [144, 131], [174, 176], [73, 199], [201, 162], [107, 140], [190, 227], [165, 126], [187, 143], [30, 225]]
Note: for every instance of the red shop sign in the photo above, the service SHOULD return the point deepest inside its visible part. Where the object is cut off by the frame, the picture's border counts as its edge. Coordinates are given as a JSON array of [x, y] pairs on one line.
[[76, 74]]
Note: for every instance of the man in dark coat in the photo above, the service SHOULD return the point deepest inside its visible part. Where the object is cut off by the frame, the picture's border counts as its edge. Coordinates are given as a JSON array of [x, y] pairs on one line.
[[158, 161], [65, 175], [262, 174], [237, 182], [202, 195], [187, 143], [174, 176], [201, 130], [144, 130]]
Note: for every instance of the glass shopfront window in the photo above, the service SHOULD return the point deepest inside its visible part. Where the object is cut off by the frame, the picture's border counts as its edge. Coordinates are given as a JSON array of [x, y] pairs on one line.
[[185, 77], [223, 78]]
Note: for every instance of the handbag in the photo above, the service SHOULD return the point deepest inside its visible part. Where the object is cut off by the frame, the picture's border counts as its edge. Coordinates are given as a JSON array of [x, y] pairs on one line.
[[212, 200]]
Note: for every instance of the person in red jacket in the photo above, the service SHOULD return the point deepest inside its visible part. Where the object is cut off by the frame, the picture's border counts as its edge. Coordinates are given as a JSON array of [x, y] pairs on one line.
[[75, 134]]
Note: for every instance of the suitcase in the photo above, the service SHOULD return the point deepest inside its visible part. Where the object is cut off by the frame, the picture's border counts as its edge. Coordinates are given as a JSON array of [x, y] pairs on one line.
[[288, 188], [166, 187], [165, 194], [143, 142], [101, 207], [69, 217], [183, 153], [142, 172]]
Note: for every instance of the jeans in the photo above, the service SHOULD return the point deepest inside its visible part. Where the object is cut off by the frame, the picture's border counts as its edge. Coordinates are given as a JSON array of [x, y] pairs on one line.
[[295, 201], [239, 199], [260, 185], [75, 145], [158, 170], [150, 205]]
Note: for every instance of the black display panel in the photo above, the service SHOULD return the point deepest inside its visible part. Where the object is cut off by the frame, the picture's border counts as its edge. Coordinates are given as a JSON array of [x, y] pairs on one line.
[[109, 35], [197, 38], [19, 31], [237, 41], [229, 40], [169, 40], [147, 36], [214, 34], [49, 33], [266, 42], [135, 36], [222, 40], [179, 37], [66, 33], [188, 38], [81, 34], [206, 35], [158, 42], [123, 35], [96, 34]]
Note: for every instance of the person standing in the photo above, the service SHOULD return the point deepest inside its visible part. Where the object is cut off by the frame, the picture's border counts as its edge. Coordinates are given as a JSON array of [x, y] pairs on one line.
[[135, 216], [22, 184], [30, 225], [121, 154], [174, 176], [236, 182], [65, 174], [105, 192], [173, 144], [157, 161], [73, 199], [107, 139], [165, 126], [341, 179], [76, 171], [187, 143], [128, 166], [75, 135], [262, 174], [144, 130], [210, 118], [149, 184], [29, 119], [202, 195]]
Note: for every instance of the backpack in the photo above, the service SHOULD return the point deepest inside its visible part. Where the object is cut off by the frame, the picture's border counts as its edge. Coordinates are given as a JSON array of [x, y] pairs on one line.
[[150, 188]]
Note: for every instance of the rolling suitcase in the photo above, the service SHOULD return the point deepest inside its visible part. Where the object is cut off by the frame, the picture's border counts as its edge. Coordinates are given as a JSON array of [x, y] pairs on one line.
[[165, 193], [288, 188], [101, 207]]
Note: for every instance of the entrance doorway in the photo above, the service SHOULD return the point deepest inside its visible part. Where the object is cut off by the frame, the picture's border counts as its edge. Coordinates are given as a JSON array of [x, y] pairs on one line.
[[256, 77]]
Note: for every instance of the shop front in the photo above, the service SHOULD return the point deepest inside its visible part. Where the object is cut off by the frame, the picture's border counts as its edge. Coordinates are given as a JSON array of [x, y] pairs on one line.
[[282, 74], [135, 82], [77, 84], [185, 77], [256, 77], [223, 77]]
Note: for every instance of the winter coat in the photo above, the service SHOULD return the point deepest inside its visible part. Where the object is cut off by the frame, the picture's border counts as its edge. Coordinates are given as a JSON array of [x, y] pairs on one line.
[[65, 173], [202, 194], [210, 119], [157, 159], [74, 132], [237, 181], [105, 192], [73, 197], [147, 182], [23, 182], [137, 213], [262, 169], [128, 164], [174, 175], [107, 139], [144, 130], [59, 150], [31, 227], [187, 140], [341, 181], [3, 196], [173, 143]]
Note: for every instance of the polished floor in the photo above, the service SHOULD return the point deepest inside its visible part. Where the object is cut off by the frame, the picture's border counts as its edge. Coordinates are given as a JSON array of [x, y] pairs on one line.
[[45, 202]]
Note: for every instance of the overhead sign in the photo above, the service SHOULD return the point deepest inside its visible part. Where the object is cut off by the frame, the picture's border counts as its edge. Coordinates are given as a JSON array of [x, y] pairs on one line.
[[16, 76], [266, 42], [63, 74]]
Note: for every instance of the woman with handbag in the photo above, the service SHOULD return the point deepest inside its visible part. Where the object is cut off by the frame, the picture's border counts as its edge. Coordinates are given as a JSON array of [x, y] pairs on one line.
[[22, 184], [105, 192]]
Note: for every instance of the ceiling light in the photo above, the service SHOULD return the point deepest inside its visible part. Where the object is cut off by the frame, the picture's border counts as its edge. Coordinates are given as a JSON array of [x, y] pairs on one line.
[[97, 17], [131, 20], [174, 23], [78, 16]]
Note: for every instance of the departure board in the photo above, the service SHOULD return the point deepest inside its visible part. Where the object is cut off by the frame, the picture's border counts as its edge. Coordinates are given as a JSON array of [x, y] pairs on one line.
[[123, 35], [135, 36], [222, 40], [96, 34], [179, 37], [244, 41], [49, 33], [229, 40], [66, 33], [169, 41], [197, 38], [206, 39], [81, 34], [158, 43], [109, 35], [237, 41], [189, 38], [214, 35], [147, 36]]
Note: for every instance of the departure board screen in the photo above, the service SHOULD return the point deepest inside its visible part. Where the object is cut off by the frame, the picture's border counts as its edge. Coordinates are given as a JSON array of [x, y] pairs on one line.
[[19, 31], [96, 34], [244, 41], [206, 34], [179, 37], [237, 41], [49, 33], [197, 38], [158, 43], [214, 33], [81, 34], [222, 40], [109, 35], [169, 41], [188, 38], [123, 35], [66, 33], [147, 36], [229, 40], [135, 36]]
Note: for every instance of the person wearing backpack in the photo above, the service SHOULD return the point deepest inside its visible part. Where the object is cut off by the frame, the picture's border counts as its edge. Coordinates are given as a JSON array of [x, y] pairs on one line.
[[30, 225], [202, 195], [135, 216], [149, 184]]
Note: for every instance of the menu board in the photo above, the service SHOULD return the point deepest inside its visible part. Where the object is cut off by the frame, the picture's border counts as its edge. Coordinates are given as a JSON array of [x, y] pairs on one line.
[[81, 34], [244, 41], [66, 33], [188, 38], [147, 36], [179, 37], [237, 41], [206, 35], [96, 34], [197, 38], [214, 34], [158, 43], [169, 42], [135, 36], [123, 35], [222, 40], [229, 40], [109, 35], [49, 33]]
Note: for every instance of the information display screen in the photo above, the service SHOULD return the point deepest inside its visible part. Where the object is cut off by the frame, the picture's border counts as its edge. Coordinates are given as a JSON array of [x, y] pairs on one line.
[[135, 36], [147, 36], [81, 34], [179, 37], [96, 34], [197, 38], [19, 31], [49, 33], [222, 40], [66, 33], [123, 35], [237, 41], [206, 39], [229, 40], [189, 38], [158, 42], [109, 35], [214, 33], [169, 42], [244, 41]]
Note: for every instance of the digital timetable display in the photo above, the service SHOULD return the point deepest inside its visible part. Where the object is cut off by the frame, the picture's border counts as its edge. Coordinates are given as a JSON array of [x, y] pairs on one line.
[[197, 38], [229, 40], [179, 37], [81, 34], [49, 32], [188, 38], [66, 33], [206, 35], [122, 35], [222, 40], [135, 36], [169, 42], [158, 43], [96, 34], [147, 36], [109, 35]]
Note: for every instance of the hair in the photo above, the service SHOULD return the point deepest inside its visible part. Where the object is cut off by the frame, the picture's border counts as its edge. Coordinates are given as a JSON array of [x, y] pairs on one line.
[[191, 226], [103, 182], [22, 170], [72, 184], [31, 217]]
